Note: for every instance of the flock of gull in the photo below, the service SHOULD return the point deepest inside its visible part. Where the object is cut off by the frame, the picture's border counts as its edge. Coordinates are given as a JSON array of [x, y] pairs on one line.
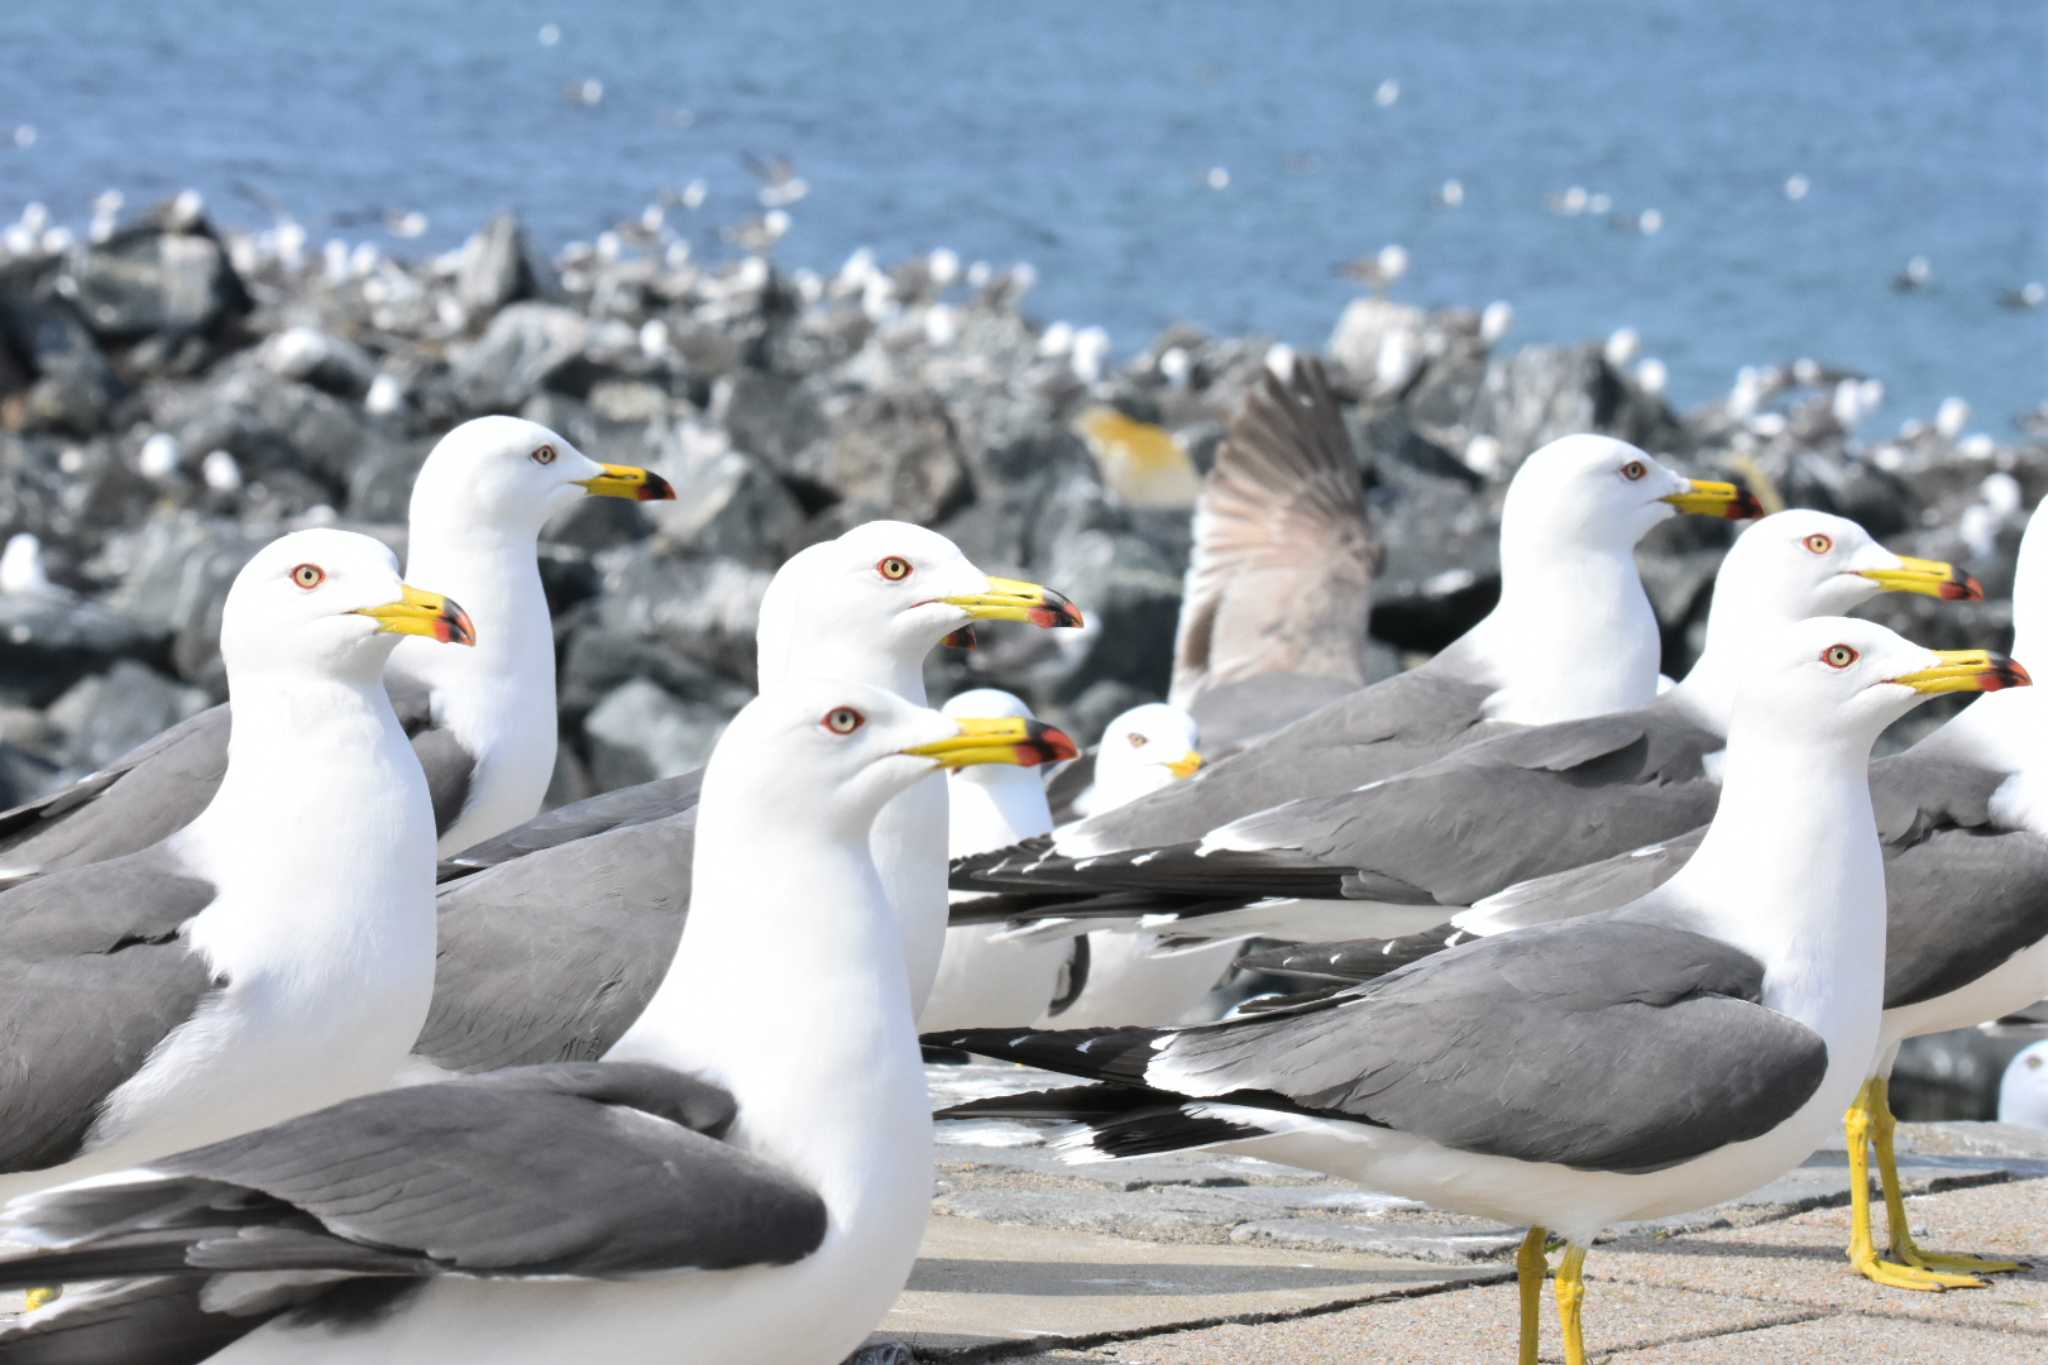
[[319, 1041]]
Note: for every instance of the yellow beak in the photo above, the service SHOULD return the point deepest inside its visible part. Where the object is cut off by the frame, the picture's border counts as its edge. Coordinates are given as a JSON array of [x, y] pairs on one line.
[[1012, 599], [628, 481], [1930, 577], [1967, 670], [1011, 739], [1186, 767], [423, 613], [1706, 498]]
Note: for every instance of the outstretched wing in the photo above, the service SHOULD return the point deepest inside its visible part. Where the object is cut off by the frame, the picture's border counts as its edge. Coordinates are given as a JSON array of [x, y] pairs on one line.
[[1280, 576]]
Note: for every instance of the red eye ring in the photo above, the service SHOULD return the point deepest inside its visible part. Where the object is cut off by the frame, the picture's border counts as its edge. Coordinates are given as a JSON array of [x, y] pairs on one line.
[[543, 454], [1819, 542], [1839, 656], [308, 576], [843, 720], [1634, 470], [895, 568]]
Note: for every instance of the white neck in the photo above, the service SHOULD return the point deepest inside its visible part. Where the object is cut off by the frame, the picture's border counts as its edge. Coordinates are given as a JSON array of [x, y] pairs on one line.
[[815, 1041], [994, 807], [321, 836], [908, 842], [1572, 636], [497, 698], [1795, 841]]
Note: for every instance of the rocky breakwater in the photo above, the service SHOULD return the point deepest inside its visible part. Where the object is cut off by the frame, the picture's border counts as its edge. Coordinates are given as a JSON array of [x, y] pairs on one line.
[[175, 393]]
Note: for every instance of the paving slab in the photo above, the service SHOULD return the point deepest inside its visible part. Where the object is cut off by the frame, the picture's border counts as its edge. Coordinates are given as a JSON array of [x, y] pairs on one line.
[[1799, 1260], [1832, 1340], [1480, 1325], [979, 1287]]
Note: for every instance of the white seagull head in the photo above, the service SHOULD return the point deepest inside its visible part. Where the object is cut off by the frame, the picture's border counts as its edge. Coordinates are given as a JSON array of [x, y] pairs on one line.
[[1596, 491], [1833, 679], [1144, 750], [887, 592], [1801, 563], [854, 748], [328, 603], [504, 476]]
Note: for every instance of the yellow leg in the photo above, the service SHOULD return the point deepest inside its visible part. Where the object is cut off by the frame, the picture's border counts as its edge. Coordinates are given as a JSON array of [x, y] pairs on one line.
[[1882, 1125], [38, 1297], [1571, 1293], [1856, 1126], [1530, 1267]]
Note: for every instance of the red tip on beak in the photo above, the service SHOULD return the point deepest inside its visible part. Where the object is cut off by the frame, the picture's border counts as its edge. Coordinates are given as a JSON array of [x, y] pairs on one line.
[[1745, 507], [2005, 673], [453, 626], [1057, 610], [1045, 744], [1964, 587], [656, 489]]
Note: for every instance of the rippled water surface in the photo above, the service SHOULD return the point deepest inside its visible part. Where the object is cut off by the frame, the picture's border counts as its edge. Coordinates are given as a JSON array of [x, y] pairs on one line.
[[1082, 137]]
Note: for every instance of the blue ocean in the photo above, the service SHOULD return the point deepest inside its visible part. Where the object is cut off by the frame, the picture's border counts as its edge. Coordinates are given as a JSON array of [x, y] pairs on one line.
[[1155, 162]]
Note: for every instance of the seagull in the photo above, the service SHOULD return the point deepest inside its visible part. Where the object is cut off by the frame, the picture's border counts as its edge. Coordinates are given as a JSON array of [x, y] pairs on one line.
[[715, 1186], [274, 955], [1965, 839], [1573, 635], [1279, 581], [1657, 1058], [983, 979], [483, 723], [1391, 855], [1137, 977], [553, 935]]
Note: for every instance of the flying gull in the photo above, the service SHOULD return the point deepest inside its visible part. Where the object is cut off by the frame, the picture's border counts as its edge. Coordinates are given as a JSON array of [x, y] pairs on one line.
[[277, 953], [1390, 856], [554, 935], [1279, 580], [744, 1177], [481, 720], [1667, 1055], [1573, 635], [1965, 838]]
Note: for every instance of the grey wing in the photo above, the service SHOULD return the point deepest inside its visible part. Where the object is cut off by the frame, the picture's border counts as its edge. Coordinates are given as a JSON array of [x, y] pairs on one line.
[[1601, 1044], [551, 957], [1235, 715], [93, 975], [1370, 734], [1280, 575], [593, 1169], [140, 799], [621, 809], [1523, 804]]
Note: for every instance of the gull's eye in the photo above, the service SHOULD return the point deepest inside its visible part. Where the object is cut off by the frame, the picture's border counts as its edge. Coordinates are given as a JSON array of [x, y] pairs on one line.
[[844, 720], [1839, 656], [1137, 741], [309, 576], [543, 455], [1633, 470], [895, 568], [1818, 543]]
